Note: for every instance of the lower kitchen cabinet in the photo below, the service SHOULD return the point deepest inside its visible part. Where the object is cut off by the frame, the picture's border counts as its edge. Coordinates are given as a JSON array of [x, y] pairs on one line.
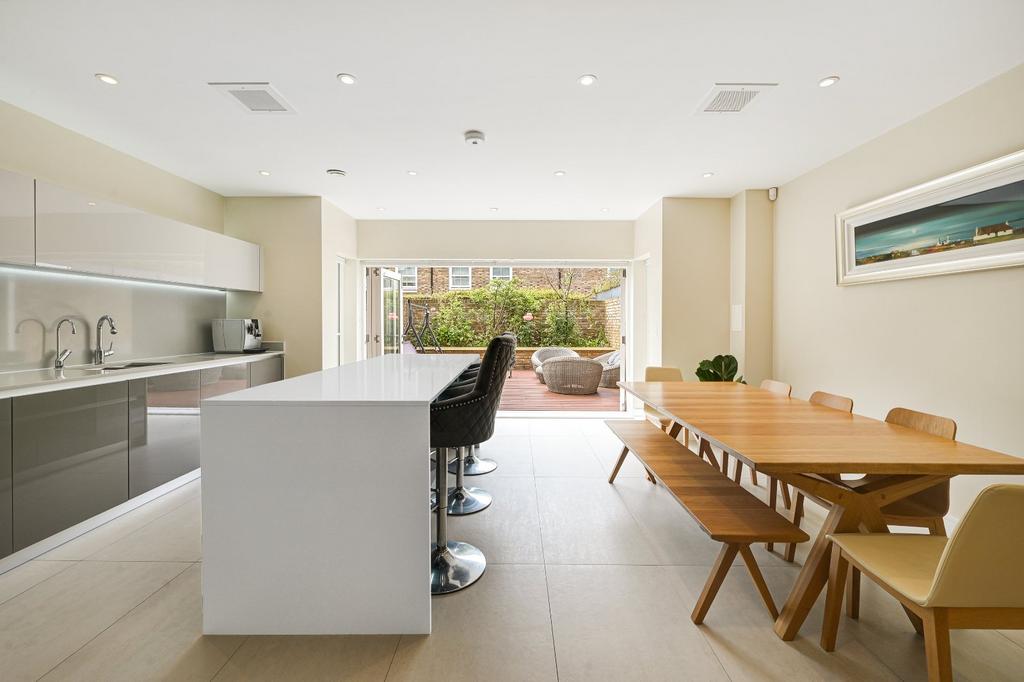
[[163, 429], [70, 458], [6, 520], [266, 371], [220, 380]]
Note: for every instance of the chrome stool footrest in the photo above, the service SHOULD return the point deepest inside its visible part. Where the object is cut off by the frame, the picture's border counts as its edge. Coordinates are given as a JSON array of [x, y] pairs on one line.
[[474, 466]]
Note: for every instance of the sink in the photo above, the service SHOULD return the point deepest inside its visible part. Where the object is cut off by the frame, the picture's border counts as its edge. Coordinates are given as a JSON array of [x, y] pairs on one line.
[[135, 365]]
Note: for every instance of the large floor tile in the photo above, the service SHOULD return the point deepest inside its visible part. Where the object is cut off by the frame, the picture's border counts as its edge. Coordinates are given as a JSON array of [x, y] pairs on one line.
[[512, 453], [175, 536], [564, 456], [161, 638], [555, 427], [507, 532], [311, 659], [739, 629], [26, 576], [626, 623], [514, 426], [498, 629], [607, 450], [44, 625], [117, 529], [583, 521]]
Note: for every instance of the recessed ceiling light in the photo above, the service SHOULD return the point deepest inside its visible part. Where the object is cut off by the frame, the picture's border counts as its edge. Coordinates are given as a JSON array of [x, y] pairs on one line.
[[828, 81], [336, 171], [559, 174], [709, 174], [380, 208], [347, 78], [587, 79], [494, 208], [92, 203], [604, 210], [106, 78], [410, 172], [264, 173]]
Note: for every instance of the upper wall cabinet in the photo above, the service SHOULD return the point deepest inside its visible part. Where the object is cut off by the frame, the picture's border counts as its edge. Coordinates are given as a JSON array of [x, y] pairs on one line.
[[85, 234], [17, 238]]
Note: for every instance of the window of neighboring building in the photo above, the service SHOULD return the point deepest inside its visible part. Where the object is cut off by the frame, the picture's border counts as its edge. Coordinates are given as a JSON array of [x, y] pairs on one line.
[[503, 272], [459, 278], [409, 281]]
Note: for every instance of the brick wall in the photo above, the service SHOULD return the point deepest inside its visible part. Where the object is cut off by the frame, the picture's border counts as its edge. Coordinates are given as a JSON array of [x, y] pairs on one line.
[[578, 280]]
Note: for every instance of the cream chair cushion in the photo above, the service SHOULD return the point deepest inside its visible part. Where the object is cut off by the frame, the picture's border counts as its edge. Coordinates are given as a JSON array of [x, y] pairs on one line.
[[907, 563]]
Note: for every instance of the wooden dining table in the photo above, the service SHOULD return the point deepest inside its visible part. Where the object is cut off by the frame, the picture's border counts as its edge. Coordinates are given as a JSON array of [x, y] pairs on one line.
[[796, 443]]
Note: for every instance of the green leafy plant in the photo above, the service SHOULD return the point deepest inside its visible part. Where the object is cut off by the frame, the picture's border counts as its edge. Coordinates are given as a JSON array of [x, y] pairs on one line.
[[719, 368]]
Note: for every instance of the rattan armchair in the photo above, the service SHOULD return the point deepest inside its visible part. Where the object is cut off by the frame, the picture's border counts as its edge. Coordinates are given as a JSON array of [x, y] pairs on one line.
[[546, 353], [611, 363], [572, 375]]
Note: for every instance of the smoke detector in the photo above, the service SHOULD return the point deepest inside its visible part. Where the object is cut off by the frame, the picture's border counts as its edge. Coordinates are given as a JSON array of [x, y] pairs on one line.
[[474, 137], [732, 98], [256, 98]]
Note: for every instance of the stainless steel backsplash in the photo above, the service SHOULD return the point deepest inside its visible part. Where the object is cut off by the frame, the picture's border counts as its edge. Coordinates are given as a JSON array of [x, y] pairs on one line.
[[152, 319]]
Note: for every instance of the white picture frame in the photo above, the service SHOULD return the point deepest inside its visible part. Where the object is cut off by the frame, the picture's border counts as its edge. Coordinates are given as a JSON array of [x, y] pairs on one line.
[[960, 257]]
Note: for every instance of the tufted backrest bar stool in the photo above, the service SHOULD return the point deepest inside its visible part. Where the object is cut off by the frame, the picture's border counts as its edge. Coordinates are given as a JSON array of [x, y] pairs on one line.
[[458, 422]]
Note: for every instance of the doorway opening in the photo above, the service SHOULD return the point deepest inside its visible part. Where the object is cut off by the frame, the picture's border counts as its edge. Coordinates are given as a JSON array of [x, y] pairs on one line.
[[570, 322]]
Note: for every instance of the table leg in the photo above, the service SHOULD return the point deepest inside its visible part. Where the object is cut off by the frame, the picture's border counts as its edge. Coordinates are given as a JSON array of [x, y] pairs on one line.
[[814, 575]]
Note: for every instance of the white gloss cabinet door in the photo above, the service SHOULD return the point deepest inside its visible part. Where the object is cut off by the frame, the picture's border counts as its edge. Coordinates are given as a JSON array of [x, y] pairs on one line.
[[87, 234], [17, 235]]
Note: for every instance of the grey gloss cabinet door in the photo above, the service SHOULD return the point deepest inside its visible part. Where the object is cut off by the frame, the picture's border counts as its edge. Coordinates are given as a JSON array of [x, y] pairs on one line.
[[266, 371], [220, 380], [6, 520], [70, 458], [163, 429]]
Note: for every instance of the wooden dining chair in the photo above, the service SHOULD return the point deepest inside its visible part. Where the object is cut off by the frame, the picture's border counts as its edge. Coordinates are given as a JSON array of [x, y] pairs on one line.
[[970, 581], [663, 374], [835, 402], [926, 509]]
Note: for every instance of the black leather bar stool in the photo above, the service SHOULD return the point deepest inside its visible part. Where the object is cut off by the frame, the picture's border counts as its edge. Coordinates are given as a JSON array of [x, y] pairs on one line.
[[459, 422]]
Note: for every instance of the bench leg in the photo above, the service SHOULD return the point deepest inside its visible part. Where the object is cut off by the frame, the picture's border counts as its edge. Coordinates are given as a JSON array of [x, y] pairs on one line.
[[725, 462], [786, 501], [762, 586], [650, 475], [718, 573], [618, 464], [834, 599]]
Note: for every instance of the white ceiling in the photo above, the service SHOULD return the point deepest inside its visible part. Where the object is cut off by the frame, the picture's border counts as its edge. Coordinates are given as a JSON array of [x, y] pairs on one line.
[[429, 71]]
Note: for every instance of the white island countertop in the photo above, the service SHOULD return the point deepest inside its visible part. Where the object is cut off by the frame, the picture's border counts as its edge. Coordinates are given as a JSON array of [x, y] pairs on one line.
[[412, 379]]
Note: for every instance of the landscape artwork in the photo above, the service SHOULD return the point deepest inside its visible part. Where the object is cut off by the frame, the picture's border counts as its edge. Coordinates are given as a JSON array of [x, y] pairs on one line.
[[969, 220], [988, 217]]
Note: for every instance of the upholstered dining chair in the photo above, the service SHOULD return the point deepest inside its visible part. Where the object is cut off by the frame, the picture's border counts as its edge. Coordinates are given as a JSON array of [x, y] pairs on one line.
[[926, 509], [835, 402], [969, 581]]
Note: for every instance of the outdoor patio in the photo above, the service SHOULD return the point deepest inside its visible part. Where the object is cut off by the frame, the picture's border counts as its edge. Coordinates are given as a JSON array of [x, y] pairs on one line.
[[523, 392]]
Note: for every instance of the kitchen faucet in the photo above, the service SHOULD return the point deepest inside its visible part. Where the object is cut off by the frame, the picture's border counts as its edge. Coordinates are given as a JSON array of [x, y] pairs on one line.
[[99, 352], [62, 355]]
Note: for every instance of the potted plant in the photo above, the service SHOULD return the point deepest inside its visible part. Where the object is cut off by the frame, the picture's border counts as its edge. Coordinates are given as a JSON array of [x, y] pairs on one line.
[[719, 368]]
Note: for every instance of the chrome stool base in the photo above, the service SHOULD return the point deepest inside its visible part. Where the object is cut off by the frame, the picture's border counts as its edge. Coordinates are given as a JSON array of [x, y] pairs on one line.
[[467, 500], [455, 566], [474, 466]]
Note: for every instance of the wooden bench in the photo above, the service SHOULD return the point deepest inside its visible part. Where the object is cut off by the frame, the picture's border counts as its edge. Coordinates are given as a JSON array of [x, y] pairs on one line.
[[721, 507]]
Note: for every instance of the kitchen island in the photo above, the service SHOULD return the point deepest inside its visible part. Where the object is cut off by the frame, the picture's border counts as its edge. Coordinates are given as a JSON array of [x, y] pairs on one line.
[[316, 514]]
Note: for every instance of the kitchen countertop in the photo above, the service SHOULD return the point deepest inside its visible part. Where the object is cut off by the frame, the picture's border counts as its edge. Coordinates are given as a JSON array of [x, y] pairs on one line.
[[33, 381], [412, 379]]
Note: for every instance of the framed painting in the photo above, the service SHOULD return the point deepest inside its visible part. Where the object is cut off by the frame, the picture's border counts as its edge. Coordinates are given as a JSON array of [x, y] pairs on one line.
[[970, 220]]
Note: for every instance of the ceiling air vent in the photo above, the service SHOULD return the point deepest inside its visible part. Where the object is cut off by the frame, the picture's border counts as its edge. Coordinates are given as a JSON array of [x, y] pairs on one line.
[[256, 98], [732, 98]]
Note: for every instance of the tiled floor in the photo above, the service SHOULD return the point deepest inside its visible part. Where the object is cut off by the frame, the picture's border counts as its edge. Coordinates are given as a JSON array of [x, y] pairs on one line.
[[586, 581]]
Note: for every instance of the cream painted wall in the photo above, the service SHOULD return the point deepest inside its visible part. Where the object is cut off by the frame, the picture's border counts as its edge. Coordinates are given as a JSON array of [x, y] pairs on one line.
[[495, 239], [38, 148], [750, 285], [695, 281], [648, 246], [339, 240], [289, 230], [947, 345]]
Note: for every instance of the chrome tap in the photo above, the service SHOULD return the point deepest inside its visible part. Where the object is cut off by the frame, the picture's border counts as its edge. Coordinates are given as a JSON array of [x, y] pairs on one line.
[[99, 352], [62, 355]]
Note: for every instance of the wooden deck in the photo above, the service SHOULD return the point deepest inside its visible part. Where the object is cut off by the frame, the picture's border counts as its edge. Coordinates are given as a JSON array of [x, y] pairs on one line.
[[523, 392]]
